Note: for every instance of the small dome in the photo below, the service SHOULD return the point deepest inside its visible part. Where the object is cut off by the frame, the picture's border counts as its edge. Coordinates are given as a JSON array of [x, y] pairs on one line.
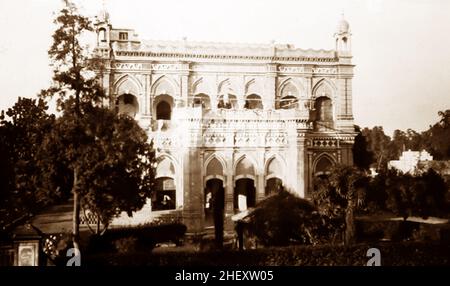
[[343, 26]]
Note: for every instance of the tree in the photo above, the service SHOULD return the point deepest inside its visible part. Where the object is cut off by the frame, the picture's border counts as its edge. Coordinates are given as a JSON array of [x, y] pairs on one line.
[[113, 160], [107, 156], [399, 194], [362, 156], [437, 137], [22, 129], [338, 195], [378, 145]]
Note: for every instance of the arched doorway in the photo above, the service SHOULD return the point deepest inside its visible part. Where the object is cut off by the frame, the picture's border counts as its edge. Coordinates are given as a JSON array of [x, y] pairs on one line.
[[163, 111], [323, 167], [214, 208], [164, 194], [127, 104], [274, 183], [244, 195], [324, 109], [214, 199], [244, 190]]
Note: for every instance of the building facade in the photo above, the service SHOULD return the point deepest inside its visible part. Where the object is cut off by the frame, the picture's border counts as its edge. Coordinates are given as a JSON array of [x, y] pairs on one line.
[[231, 123], [410, 161]]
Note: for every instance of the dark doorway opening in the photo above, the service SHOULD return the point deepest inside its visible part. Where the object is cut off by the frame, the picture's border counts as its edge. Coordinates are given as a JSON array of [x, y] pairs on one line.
[[244, 195], [214, 208]]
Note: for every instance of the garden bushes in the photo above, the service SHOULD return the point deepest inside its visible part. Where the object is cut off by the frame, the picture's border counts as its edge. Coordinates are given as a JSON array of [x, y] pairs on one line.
[[137, 238], [392, 254]]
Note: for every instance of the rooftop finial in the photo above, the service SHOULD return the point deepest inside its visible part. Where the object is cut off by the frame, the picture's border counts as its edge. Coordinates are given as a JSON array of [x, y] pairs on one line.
[[103, 15]]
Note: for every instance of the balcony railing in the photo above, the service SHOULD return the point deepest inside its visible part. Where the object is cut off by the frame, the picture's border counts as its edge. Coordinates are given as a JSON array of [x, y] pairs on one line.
[[241, 114]]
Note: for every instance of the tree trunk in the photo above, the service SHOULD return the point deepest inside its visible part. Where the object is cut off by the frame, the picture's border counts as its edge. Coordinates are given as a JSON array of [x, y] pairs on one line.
[[349, 224], [76, 211]]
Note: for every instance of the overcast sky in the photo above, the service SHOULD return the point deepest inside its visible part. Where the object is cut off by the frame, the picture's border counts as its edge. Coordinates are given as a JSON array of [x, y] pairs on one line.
[[401, 47]]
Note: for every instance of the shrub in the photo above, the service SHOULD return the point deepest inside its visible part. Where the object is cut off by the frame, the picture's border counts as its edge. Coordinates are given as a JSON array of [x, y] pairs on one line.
[[283, 219], [126, 245], [392, 254], [142, 237]]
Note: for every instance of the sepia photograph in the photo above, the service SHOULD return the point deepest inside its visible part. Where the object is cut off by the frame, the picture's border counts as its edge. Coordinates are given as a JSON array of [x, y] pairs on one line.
[[250, 133]]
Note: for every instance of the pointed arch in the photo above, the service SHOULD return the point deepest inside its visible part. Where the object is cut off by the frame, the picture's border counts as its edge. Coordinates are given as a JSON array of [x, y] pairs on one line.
[[325, 88], [165, 168], [253, 86], [322, 164], [165, 85], [171, 158], [274, 167], [245, 167], [201, 86], [214, 168], [226, 86], [289, 92], [127, 84], [218, 158], [173, 178], [290, 84], [165, 192]]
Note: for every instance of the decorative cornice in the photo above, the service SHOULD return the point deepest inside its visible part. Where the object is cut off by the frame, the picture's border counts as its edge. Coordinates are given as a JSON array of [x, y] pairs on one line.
[[223, 57]]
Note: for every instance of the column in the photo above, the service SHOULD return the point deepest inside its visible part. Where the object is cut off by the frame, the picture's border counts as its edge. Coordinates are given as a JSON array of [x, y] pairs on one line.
[[302, 182], [309, 171], [270, 87], [228, 225], [193, 211], [260, 192]]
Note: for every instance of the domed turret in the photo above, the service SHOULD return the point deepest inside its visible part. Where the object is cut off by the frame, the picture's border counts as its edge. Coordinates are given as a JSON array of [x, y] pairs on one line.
[[103, 15], [103, 27], [343, 26], [343, 37]]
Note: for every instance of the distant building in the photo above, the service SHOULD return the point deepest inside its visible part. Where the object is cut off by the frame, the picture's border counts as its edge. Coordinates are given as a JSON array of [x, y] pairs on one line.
[[410, 161]]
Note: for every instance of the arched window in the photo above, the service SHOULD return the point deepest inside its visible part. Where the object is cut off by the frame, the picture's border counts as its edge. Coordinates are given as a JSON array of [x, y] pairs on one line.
[[163, 111], [227, 101], [323, 166], [127, 104], [288, 96], [202, 100], [102, 35], [324, 109], [164, 196], [288, 102], [253, 101]]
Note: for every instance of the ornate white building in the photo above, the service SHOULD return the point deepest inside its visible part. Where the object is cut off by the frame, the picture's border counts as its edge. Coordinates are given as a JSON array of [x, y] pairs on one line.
[[231, 122], [409, 161]]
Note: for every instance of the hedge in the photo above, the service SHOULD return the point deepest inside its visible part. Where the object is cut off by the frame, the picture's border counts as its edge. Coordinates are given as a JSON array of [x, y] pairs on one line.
[[392, 254], [136, 238]]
